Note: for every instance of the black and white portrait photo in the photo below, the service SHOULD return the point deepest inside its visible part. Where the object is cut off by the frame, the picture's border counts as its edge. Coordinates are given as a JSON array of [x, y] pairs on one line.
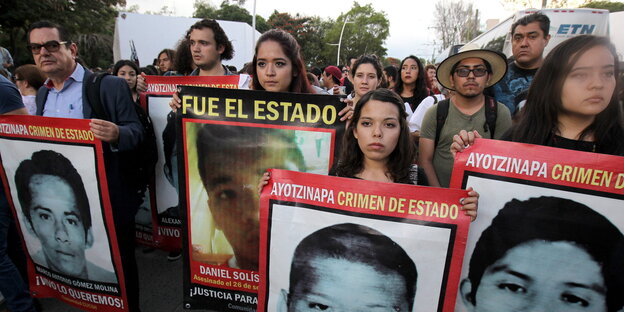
[[326, 261], [538, 247], [55, 191]]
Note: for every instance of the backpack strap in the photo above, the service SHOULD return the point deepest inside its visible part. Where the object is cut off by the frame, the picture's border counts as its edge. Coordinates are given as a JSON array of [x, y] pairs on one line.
[[491, 112], [93, 85], [442, 110], [40, 99]]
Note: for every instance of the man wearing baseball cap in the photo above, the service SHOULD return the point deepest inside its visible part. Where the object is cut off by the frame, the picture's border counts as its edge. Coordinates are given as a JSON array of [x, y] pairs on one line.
[[466, 73], [331, 79]]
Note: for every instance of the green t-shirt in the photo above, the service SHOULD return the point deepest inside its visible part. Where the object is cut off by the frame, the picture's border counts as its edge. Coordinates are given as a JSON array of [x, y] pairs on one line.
[[456, 121]]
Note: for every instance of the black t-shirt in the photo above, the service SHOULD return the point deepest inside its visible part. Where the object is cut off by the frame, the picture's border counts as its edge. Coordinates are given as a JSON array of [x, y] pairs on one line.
[[412, 102], [417, 175], [576, 145]]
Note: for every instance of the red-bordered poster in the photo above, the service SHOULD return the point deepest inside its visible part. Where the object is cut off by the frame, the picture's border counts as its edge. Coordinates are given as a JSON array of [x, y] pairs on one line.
[[54, 178], [161, 208], [339, 244], [228, 139], [549, 231]]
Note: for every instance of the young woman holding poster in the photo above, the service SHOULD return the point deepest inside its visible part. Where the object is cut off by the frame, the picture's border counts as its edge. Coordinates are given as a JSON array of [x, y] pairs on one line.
[[278, 67], [128, 70], [377, 146], [277, 64], [572, 102]]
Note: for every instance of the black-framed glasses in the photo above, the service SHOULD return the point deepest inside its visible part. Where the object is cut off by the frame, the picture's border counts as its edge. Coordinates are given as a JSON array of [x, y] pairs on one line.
[[50, 46], [464, 72]]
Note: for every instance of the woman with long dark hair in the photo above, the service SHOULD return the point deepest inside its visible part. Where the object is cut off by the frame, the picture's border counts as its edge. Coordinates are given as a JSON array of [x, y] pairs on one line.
[[412, 83], [377, 146], [367, 75], [572, 102], [128, 70], [277, 64]]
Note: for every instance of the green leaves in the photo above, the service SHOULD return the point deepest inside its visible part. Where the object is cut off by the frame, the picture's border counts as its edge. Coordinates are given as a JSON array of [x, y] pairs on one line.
[[365, 33]]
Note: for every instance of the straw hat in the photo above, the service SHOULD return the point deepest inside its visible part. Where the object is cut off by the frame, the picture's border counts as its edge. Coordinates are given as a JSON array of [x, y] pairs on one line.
[[496, 59]]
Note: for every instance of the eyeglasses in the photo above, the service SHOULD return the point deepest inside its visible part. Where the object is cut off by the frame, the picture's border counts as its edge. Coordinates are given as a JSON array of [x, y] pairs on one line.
[[50, 46], [464, 72]]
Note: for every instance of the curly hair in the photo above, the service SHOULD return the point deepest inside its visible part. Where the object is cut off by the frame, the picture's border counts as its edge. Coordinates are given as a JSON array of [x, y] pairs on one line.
[[219, 35]]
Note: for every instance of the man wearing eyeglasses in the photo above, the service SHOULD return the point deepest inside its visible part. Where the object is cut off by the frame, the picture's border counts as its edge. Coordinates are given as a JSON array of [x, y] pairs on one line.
[[467, 73], [64, 95]]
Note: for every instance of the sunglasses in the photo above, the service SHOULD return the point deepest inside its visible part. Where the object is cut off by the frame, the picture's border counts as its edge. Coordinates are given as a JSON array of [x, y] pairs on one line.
[[50, 46], [464, 72]]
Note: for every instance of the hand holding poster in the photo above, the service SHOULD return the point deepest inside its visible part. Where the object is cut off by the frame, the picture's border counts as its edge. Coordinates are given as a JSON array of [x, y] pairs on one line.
[[53, 173], [158, 221], [549, 232], [228, 138], [343, 244]]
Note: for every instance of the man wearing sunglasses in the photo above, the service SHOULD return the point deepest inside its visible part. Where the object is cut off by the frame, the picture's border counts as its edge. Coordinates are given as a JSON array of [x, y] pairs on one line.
[[64, 94], [467, 74]]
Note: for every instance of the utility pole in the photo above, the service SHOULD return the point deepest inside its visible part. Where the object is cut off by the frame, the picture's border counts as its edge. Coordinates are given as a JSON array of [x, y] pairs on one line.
[[340, 40]]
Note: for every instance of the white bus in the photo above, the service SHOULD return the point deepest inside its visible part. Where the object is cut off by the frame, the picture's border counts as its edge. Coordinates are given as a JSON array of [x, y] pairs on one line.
[[564, 23]]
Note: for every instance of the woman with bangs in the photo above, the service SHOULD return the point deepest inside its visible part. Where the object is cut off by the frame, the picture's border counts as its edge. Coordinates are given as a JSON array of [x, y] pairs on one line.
[[277, 64]]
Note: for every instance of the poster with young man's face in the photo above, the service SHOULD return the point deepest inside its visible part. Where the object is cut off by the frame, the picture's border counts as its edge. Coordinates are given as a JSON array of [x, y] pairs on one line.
[[339, 244], [162, 208], [549, 230], [229, 140], [53, 172]]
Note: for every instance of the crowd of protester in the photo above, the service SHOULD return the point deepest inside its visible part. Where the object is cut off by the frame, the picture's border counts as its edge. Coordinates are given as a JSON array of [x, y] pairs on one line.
[[404, 123]]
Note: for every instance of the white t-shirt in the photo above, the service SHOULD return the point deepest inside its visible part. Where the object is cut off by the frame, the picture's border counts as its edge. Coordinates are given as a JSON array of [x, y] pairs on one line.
[[415, 120], [29, 102]]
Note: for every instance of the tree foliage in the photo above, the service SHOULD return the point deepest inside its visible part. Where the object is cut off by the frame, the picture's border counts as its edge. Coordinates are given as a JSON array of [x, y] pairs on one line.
[[308, 31], [612, 6], [165, 10], [527, 4], [365, 33], [229, 12], [93, 18], [456, 22]]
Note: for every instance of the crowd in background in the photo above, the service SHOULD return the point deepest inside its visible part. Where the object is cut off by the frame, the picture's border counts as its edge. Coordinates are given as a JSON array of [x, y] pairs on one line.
[[404, 123]]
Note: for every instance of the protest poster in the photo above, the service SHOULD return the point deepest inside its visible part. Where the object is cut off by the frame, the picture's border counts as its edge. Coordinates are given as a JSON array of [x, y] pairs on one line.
[[339, 244], [228, 139], [161, 205], [55, 181], [549, 228]]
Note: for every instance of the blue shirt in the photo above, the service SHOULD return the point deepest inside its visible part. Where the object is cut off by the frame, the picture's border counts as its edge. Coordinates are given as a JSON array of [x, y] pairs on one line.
[[509, 90], [10, 98], [66, 103]]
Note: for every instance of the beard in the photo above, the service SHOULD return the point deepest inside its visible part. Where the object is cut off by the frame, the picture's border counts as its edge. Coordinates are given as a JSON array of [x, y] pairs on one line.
[[469, 95]]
